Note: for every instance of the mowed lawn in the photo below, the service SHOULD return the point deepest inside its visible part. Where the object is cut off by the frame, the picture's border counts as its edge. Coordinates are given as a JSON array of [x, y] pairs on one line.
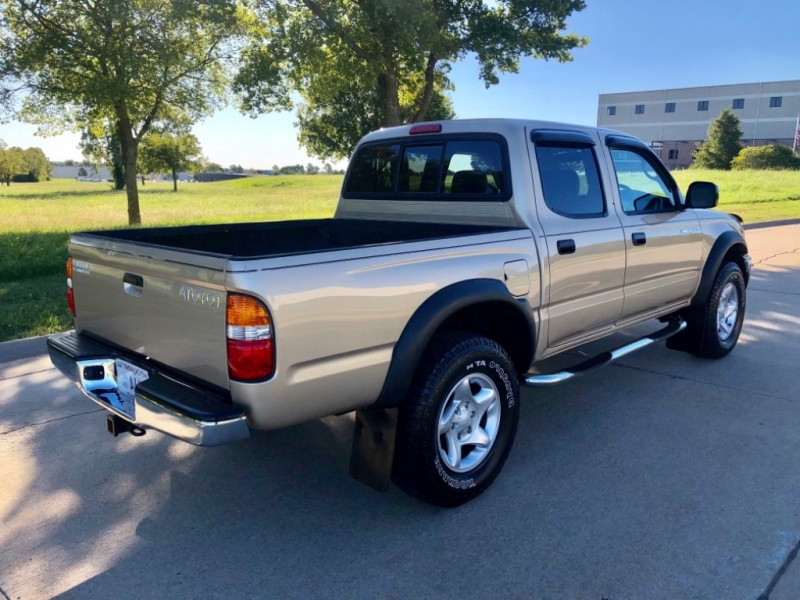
[[36, 219]]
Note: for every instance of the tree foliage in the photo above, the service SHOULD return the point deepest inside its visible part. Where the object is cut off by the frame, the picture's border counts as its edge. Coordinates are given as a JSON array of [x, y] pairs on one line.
[[167, 152], [362, 65], [772, 158], [17, 164], [125, 61], [100, 145], [722, 145]]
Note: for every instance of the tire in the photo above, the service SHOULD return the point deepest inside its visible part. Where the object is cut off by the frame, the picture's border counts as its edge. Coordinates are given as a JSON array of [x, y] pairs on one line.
[[454, 385], [709, 333]]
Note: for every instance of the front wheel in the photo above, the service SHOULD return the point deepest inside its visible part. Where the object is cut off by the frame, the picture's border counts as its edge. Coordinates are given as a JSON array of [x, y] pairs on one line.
[[713, 331], [458, 423]]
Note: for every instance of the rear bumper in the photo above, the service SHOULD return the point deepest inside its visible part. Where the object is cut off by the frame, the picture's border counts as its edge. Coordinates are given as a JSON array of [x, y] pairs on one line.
[[177, 408]]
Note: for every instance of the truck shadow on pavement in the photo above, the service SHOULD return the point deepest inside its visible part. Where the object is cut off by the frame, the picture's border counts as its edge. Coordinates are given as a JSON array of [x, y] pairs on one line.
[[663, 476]]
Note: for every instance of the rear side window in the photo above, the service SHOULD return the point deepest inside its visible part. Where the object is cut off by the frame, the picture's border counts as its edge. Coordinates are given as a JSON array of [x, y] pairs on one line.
[[570, 181], [458, 167], [373, 170]]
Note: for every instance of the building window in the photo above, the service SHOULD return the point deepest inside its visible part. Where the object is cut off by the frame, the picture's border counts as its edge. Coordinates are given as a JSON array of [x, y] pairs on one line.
[[738, 103], [670, 107], [702, 106], [673, 155], [640, 109], [776, 102], [612, 110]]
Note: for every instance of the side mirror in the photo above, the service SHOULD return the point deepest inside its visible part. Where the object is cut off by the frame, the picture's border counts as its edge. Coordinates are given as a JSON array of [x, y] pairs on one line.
[[702, 194]]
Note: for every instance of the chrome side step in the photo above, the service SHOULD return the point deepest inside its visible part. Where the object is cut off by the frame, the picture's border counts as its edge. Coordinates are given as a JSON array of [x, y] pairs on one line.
[[603, 359]]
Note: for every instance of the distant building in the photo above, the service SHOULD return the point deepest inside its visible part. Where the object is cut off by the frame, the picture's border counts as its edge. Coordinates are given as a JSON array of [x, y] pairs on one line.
[[207, 177], [674, 121], [64, 172]]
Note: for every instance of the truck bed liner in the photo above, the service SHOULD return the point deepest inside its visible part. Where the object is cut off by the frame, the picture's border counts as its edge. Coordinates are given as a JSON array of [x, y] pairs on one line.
[[262, 240]]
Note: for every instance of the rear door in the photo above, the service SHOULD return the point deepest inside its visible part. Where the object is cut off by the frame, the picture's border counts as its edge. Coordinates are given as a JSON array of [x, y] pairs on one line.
[[663, 240], [165, 304], [584, 239]]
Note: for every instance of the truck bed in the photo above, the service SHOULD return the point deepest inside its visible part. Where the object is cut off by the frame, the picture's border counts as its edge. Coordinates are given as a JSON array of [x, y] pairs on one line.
[[283, 238]]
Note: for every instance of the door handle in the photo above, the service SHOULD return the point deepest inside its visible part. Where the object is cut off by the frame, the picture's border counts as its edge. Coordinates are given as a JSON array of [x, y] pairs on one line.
[[639, 239], [566, 246]]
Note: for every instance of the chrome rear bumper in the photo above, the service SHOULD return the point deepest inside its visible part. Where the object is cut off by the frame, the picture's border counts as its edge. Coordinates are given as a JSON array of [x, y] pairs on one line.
[[177, 408]]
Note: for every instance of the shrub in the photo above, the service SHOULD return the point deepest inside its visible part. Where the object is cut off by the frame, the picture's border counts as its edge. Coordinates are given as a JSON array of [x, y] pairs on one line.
[[763, 158], [722, 144]]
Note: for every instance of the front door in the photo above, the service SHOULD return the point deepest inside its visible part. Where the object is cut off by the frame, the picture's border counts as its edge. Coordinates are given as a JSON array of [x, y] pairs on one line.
[[583, 235], [664, 242]]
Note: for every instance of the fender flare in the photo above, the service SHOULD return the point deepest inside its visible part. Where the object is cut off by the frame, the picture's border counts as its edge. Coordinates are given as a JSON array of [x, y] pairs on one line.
[[719, 250], [430, 316]]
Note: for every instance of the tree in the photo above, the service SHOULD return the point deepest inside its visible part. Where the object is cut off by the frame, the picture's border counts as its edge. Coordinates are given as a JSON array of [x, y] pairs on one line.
[[100, 145], [36, 164], [170, 152], [312, 169], [327, 168], [82, 172], [722, 145], [125, 61], [212, 167], [11, 162], [772, 157], [377, 63]]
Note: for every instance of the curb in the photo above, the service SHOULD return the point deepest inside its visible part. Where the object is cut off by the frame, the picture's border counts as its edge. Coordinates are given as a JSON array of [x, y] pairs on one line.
[[24, 348], [766, 224]]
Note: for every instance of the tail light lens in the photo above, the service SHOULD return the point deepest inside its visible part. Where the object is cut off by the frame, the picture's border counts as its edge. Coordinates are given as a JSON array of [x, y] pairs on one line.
[[251, 350], [70, 293]]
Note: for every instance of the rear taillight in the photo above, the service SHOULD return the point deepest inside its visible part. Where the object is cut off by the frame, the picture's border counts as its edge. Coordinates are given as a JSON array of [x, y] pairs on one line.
[[70, 293], [251, 350]]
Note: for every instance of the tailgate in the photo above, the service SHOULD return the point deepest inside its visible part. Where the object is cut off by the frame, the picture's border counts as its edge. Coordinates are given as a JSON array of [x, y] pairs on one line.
[[163, 303]]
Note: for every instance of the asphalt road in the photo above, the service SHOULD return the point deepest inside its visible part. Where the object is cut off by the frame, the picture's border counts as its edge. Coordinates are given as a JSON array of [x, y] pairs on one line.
[[661, 477]]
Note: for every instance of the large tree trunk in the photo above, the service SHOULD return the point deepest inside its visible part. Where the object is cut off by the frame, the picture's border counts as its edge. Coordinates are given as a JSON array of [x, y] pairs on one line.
[[427, 93], [387, 85], [130, 151], [174, 181]]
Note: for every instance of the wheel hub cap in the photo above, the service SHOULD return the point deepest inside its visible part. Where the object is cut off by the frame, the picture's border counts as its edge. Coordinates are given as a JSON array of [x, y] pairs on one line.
[[727, 311], [468, 423]]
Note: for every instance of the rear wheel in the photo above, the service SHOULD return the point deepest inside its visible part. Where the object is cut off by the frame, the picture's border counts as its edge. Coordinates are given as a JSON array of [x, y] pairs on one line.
[[457, 425]]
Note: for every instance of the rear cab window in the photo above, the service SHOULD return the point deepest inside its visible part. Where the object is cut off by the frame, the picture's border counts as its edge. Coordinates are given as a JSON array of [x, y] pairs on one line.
[[439, 167]]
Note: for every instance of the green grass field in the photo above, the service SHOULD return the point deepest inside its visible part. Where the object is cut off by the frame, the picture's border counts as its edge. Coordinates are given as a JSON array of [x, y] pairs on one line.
[[36, 219]]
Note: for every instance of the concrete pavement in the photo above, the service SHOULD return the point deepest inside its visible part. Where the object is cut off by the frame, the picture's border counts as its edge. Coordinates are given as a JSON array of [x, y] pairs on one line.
[[661, 477]]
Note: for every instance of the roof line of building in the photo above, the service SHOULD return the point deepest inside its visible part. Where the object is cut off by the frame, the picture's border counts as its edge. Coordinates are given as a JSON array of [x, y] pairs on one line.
[[700, 87]]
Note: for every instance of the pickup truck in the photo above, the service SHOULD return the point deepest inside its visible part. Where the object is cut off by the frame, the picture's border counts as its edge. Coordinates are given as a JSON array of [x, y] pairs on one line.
[[461, 253]]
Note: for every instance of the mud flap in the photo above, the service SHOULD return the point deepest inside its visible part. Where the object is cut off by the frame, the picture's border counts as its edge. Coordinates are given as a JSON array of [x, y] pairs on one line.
[[690, 338], [371, 459]]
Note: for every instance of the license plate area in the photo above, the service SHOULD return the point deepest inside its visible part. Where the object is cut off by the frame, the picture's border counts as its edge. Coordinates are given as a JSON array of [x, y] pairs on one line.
[[112, 382]]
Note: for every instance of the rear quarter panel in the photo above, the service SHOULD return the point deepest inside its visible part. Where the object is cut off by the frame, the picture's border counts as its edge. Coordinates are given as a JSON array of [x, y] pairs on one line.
[[338, 316]]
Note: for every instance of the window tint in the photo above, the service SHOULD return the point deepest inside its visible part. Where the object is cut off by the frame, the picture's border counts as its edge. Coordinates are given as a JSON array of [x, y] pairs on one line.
[[373, 170], [738, 103], [639, 109], [641, 188], [670, 107], [570, 181], [702, 106], [612, 110], [420, 169], [776, 102], [474, 168]]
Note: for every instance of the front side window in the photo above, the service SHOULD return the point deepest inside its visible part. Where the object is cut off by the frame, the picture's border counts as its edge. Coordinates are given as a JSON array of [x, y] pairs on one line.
[[570, 180], [373, 170], [641, 188]]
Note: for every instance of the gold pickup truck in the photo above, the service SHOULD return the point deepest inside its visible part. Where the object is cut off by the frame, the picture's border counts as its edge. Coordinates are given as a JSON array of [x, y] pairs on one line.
[[461, 254]]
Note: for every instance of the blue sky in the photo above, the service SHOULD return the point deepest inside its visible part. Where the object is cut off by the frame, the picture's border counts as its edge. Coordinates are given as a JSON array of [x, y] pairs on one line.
[[634, 45]]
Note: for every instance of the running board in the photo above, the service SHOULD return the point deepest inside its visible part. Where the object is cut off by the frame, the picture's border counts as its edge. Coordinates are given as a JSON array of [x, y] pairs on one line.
[[603, 359]]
